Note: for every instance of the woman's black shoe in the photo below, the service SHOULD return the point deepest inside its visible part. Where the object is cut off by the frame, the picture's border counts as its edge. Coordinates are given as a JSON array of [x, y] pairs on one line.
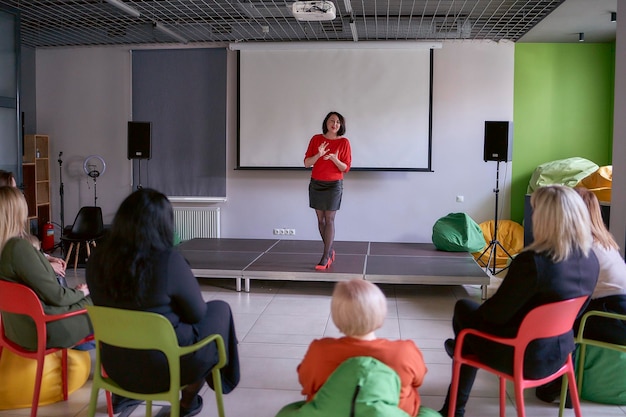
[[121, 404], [194, 409], [449, 346], [551, 393]]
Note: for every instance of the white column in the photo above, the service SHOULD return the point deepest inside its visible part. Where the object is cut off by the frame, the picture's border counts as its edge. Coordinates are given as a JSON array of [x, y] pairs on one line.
[[618, 200]]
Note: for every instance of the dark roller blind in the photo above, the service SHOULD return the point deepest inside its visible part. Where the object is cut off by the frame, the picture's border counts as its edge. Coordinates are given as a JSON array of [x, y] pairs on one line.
[[182, 92]]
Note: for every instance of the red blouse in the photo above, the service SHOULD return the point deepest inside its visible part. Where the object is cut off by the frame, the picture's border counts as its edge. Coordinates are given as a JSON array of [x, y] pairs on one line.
[[325, 169]]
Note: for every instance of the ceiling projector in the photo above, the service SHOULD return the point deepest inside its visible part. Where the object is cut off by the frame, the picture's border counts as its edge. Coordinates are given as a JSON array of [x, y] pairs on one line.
[[313, 10]]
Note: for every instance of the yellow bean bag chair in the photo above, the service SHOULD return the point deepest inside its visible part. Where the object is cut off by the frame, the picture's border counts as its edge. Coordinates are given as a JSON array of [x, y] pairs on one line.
[[17, 378], [600, 183], [510, 236]]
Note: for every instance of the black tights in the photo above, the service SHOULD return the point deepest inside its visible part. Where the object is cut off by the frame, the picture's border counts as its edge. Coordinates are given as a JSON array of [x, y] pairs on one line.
[[326, 226]]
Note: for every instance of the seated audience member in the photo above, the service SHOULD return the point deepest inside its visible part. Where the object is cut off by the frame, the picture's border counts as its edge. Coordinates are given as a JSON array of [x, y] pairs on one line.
[[20, 262], [609, 294], [34, 240], [137, 268], [7, 179], [358, 309], [558, 265]]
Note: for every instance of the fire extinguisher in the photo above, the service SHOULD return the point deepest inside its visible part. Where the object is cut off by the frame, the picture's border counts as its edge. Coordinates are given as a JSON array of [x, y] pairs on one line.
[[47, 241]]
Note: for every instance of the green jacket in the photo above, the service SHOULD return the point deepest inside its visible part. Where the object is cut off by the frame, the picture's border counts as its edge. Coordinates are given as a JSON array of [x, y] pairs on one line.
[[20, 262]]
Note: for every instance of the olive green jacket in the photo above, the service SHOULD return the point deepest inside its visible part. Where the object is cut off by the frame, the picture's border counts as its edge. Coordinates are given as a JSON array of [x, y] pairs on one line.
[[20, 262]]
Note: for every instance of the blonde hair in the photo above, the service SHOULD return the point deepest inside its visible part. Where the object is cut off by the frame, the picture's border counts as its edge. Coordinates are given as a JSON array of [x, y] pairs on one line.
[[561, 222], [600, 233], [358, 307], [13, 214]]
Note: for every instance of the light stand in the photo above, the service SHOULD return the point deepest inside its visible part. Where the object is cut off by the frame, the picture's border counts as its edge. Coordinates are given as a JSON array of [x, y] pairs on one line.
[[94, 174], [495, 243], [61, 196]]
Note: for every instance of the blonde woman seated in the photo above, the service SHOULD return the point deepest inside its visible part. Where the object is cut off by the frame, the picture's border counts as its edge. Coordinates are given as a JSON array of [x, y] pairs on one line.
[[358, 309]]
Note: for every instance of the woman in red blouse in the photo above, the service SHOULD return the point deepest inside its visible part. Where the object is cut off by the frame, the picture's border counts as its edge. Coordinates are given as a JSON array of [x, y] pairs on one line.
[[330, 156]]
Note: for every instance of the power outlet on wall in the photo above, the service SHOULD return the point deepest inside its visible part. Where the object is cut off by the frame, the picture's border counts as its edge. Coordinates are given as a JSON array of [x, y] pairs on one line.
[[282, 231]]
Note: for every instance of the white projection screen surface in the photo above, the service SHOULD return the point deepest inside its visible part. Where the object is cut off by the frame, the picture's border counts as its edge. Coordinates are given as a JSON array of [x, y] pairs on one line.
[[384, 95]]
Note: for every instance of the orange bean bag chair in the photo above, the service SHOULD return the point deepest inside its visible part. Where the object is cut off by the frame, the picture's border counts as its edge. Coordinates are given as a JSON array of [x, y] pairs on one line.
[[17, 378], [600, 183], [510, 236]]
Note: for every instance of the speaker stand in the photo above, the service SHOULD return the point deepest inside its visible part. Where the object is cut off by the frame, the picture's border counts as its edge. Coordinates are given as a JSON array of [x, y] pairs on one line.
[[492, 248], [139, 186]]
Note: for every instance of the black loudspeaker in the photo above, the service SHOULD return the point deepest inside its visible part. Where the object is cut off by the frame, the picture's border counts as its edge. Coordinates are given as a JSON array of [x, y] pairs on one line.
[[498, 141], [139, 140]]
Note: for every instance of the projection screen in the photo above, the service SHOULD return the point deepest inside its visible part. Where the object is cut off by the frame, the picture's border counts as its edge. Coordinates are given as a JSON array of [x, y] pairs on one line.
[[384, 95]]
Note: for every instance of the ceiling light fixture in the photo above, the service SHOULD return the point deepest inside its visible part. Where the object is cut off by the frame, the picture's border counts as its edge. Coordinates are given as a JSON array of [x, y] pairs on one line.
[[355, 36], [581, 37], [124, 7], [613, 16], [170, 32], [348, 5]]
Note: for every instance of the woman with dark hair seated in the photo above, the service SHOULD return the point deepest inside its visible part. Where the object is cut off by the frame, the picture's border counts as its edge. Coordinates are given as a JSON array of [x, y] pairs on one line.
[[137, 268]]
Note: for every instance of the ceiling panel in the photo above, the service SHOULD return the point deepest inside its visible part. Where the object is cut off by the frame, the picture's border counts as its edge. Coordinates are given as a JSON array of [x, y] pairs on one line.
[[54, 23]]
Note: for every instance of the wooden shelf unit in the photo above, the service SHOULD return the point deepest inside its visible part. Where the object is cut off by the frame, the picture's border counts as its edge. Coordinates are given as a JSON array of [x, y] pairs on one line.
[[36, 172]]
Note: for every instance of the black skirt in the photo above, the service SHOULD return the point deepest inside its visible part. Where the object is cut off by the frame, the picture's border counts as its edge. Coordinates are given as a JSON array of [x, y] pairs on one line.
[[325, 195]]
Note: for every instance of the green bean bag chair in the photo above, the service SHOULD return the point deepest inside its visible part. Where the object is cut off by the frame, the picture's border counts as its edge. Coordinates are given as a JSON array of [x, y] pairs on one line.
[[457, 232], [603, 379]]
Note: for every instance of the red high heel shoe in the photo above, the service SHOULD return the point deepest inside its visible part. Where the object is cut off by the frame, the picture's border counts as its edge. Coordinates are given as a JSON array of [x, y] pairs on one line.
[[332, 255], [321, 267]]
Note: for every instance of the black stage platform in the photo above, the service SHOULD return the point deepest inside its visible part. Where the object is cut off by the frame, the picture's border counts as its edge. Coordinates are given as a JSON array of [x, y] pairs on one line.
[[295, 260]]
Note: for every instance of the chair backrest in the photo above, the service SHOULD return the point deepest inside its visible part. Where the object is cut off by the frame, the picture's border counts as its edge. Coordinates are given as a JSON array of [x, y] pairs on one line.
[[88, 222], [19, 299], [136, 330], [549, 320]]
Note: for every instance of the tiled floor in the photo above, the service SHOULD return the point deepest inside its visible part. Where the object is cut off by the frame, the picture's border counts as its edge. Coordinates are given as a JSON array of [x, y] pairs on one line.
[[277, 320]]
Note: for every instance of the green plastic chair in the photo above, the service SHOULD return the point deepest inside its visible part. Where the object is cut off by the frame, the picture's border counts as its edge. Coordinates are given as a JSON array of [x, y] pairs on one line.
[[584, 342], [143, 330]]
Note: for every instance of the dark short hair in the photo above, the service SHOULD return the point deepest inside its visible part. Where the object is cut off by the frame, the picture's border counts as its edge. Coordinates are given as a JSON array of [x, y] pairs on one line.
[[341, 130], [6, 177]]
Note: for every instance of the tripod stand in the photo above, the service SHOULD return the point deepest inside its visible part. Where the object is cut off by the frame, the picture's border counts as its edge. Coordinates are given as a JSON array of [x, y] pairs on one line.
[[61, 195], [493, 246]]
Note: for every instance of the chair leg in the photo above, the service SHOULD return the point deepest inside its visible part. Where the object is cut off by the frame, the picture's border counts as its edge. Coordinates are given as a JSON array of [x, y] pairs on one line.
[[454, 387], [519, 401], [564, 388], [217, 386], [172, 413], [76, 256], [93, 401], [69, 253], [502, 397], [64, 374], [581, 366], [37, 390], [573, 391]]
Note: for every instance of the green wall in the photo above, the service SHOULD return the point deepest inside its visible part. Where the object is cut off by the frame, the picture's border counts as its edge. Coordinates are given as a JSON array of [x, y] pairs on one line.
[[563, 107]]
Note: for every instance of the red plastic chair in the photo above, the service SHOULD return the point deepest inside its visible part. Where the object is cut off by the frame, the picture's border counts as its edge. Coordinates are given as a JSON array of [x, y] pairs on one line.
[[20, 299], [548, 320]]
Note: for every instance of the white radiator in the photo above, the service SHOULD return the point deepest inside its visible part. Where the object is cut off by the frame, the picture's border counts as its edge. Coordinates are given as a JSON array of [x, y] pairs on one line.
[[191, 222]]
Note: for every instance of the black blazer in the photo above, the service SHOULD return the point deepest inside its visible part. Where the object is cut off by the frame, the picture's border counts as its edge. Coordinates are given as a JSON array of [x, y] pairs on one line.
[[533, 280]]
